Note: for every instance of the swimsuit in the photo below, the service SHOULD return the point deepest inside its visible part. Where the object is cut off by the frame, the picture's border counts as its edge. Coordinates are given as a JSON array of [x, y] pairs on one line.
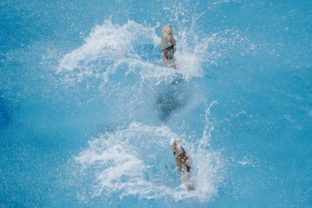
[[168, 52], [168, 47]]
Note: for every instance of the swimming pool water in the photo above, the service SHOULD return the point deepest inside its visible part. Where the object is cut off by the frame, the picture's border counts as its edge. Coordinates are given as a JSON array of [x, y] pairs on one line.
[[87, 109]]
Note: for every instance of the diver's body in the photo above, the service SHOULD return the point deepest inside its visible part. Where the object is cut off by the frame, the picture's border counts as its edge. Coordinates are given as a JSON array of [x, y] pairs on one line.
[[168, 46], [183, 161]]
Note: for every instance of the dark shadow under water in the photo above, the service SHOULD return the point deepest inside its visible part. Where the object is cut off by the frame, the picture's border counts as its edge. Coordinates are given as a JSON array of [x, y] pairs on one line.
[[171, 98]]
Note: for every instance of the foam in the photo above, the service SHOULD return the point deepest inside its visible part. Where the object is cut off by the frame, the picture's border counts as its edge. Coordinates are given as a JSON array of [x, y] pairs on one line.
[[109, 47], [107, 41], [132, 161]]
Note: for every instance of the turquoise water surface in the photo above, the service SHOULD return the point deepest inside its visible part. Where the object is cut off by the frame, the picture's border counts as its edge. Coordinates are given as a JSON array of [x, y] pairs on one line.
[[87, 109]]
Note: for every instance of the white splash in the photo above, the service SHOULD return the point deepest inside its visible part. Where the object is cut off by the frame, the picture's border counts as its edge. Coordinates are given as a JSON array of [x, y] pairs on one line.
[[135, 161], [109, 42], [110, 47], [127, 48]]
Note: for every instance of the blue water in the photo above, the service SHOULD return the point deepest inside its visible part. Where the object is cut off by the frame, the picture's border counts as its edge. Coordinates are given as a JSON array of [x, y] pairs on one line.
[[87, 109]]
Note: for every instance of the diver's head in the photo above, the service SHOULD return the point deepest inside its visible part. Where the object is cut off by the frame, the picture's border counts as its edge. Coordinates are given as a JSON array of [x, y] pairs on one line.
[[176, 144], [167, 29]]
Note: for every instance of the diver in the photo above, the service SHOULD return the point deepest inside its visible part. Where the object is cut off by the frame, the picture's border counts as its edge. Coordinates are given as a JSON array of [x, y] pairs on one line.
[[184, 162], [170, 99], [168, 46]]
